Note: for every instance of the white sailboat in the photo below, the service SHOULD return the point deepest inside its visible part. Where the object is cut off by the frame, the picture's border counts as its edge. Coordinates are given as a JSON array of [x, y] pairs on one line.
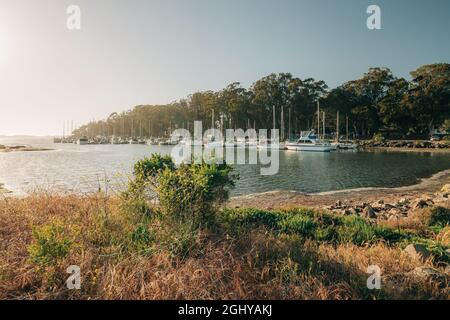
[[309, 142], [347, 144]]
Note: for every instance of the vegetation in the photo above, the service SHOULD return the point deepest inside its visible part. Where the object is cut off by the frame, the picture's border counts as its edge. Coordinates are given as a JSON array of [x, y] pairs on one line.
[[178, 243], [377, 102]]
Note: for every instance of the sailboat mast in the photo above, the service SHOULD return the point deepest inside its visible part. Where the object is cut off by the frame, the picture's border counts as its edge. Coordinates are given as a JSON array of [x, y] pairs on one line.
[[346, 127], [318, 119], [212, 119], [289, 133], [337, 127], [273, 117], [323, 125]]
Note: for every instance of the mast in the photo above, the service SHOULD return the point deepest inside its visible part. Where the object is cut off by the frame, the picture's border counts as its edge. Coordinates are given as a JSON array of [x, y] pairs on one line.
[[318, 119], [274, 124], [282, 123], [149, 128], [346, 128], [212, 119], [132, 128], [323, 120], [337, 127], [289, 133]]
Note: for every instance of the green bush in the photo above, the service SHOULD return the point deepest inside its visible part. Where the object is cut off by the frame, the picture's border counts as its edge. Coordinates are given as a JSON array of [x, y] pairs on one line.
[[50, 244], [144, 175], [299, 224], [378, 137], [192, 193], [142, 238], [439, 217]]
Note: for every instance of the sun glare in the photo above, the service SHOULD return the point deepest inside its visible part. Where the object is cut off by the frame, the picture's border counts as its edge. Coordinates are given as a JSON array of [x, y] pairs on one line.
[[4, 46]]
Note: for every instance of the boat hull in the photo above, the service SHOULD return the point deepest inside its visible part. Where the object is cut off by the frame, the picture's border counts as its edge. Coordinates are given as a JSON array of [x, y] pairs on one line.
[[310, 148]]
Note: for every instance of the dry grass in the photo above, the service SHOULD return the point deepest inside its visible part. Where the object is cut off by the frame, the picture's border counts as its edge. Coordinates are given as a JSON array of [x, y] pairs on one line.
[[255, 265]]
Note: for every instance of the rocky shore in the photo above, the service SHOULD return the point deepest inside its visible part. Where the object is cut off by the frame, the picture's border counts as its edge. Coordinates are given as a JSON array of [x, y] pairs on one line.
[[394, 209], [20, 148], [384, 201], [405, 144]]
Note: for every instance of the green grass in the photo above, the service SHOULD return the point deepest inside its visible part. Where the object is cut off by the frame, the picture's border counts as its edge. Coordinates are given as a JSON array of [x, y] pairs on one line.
[[313, 225]]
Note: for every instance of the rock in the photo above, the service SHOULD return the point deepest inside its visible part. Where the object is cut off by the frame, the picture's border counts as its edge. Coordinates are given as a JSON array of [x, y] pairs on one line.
[[338, 204], [446, 189], [420, 204], [417, 251], [387, 206], [393, 212], [426, 273], [368, 212], [381, 202], [347, 212], [403, 201]]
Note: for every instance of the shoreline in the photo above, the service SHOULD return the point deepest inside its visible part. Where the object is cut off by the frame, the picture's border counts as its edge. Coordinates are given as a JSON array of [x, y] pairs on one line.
[[291, 198], [8, 149], [405, 149]]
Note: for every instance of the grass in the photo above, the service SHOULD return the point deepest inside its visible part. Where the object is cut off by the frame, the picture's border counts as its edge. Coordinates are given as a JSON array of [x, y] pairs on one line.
[[126, 251]]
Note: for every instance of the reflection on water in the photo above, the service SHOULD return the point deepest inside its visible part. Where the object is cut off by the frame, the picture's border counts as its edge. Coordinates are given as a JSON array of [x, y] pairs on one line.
[[85, 168]]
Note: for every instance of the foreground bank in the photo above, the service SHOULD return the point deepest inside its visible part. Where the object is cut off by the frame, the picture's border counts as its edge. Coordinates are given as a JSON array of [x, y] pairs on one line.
[[191, 247]]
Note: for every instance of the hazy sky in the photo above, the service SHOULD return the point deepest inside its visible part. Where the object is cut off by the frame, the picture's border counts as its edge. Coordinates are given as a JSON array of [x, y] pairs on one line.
[[131, 52]]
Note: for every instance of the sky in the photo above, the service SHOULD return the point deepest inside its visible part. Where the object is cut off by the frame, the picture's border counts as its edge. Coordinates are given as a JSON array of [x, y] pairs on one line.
[[131, 52]]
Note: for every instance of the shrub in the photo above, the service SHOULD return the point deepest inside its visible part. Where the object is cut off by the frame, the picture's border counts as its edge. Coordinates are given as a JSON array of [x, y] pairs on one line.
[[249, 218], [142, 238], [378, 137], [299, 224], [144, 175], [192, 193], [439, 217], [50, 244]]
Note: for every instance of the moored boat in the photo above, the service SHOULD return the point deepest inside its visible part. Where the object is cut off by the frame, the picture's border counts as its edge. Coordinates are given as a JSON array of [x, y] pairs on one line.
[[309, 142]]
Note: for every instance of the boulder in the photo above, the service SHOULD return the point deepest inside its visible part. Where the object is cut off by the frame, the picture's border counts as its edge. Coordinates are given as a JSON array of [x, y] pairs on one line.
[[420, 204], [388, 206], [368, 212], [417, 251], [403, 201], [426, 273], [446, 188]]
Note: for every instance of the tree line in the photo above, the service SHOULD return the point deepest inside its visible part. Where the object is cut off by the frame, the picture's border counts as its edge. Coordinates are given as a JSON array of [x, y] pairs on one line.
[[377, 102]]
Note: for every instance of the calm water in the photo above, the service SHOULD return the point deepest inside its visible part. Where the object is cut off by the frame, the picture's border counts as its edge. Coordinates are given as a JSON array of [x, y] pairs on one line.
[[84, 168]]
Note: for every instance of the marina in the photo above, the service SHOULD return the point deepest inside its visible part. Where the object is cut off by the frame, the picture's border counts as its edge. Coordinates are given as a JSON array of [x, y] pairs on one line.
[[83, 168]]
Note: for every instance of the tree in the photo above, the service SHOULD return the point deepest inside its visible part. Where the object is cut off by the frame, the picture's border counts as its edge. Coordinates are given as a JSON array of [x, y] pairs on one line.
[[429, 96]]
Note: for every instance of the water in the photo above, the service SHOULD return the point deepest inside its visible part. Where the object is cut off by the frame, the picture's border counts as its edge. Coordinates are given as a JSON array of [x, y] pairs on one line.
[[85, 168]]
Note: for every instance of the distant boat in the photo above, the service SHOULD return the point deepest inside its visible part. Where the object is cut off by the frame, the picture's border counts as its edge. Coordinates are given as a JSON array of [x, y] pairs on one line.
[[133, 141], [309, 142], [83, 141], [347, 145]]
